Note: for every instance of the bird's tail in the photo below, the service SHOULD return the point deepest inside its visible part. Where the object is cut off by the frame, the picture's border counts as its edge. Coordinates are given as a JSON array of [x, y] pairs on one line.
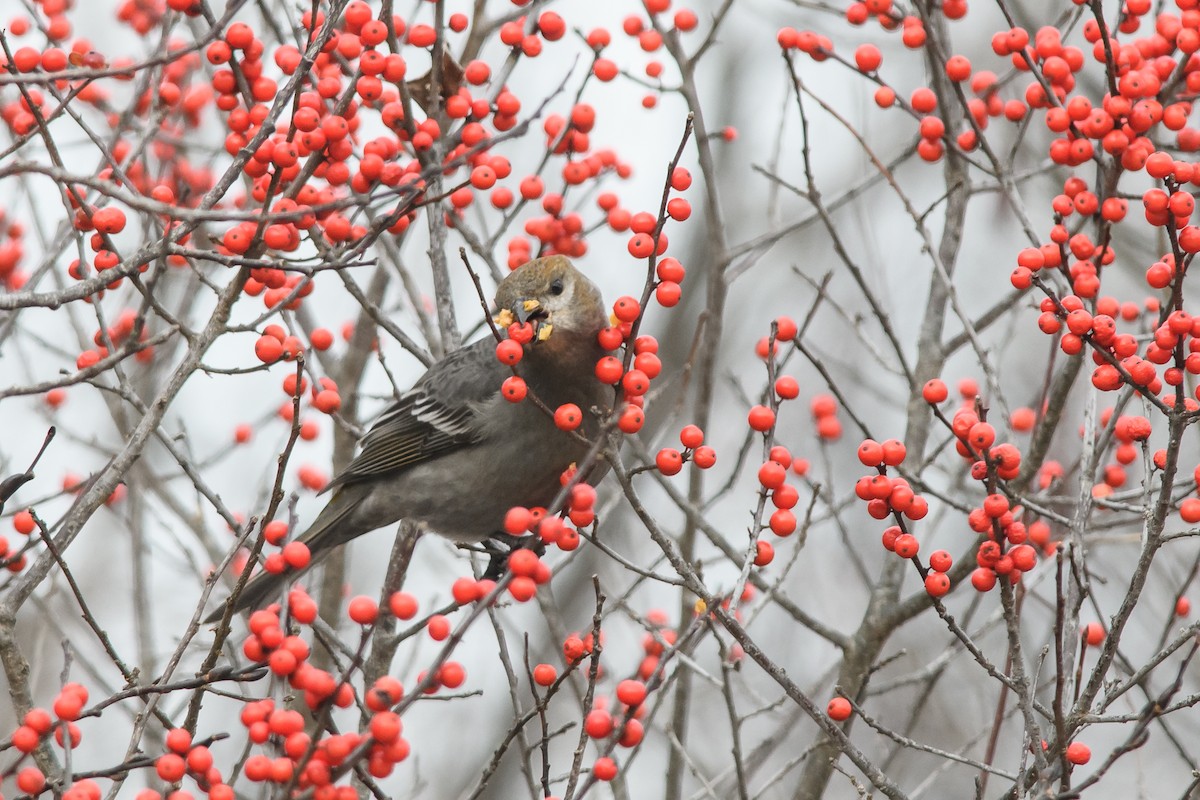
[[332, 527]]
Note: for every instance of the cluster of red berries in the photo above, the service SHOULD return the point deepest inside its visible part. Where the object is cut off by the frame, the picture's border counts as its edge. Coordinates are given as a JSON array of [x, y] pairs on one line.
[[183, 758], [670, 460], [288, 656], [772, 477], [1004, 551], [655, 642], [824, 414], [883, 495], [1118, 357], [644, 368], [772, 474], [624, 723], [893, 496], [1008, 547], [12, 250], [24, 524], [601, 722], [648, 37], [37, 723], [284, 728], [560, 230], [275, 343], [1122, 125], [554, 530], [117, 334], [293, 555], [324, 397]]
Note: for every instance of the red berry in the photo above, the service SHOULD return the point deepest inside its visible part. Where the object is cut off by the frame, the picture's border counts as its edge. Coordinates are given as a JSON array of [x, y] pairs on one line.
[[518, 520], [605, 769], [893, 452], [170, 767], [867, 57], [327, 401], [785, 497], [641, 245], [669, 461], [321, 339], [598, 723], [983, 579], [523, 563], [631, 692], [787, 387], [783, 522], [403, 605], [870, 453], [453, 674], [268, 349], [296, 555], [514, 389], [363, 610], [31, 781], [568, 417], [669, 269], [23, 523], [609, 369], [839, 709], [681, 179], [1189, 511], [668, 293], [704, 457], [635, 383], [544, 674], [761, 418], [935, 391], [937, 584], [907, 545], [463, 591], [179, 740], [509, 352], [772, 474], [631, 420], [632, 734], [626, 309], [438, 627], [385, 726], [25, 739]]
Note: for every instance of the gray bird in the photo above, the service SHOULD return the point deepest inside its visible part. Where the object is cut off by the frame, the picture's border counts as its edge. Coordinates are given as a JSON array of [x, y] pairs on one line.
[[452, 454]]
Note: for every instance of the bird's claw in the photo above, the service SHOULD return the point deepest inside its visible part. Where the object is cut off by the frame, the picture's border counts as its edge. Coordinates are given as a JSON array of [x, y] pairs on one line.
[[501, 546]]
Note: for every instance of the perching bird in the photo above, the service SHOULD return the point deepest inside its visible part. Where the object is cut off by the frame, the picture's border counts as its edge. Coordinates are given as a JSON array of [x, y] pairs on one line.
[[452, 454]]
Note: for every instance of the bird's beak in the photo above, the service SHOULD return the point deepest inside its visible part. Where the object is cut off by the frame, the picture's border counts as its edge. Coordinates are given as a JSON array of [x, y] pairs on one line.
[[534, 312], [526, 309]]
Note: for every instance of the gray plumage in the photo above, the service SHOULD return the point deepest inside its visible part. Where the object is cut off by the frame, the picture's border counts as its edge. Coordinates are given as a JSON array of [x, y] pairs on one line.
[[452, 454]]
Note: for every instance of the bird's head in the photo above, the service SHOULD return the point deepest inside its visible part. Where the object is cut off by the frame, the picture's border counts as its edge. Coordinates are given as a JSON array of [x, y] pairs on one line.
[[552, 295]]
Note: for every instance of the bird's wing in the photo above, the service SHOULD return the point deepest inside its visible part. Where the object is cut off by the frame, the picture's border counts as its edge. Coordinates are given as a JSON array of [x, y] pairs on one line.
[[439, 414]]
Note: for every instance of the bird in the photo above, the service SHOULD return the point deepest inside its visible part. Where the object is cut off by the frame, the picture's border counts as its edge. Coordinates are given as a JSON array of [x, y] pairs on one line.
[[452, 454]]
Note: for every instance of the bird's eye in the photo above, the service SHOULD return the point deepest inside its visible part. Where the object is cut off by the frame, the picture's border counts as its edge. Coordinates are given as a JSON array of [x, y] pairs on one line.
[[556, 287]]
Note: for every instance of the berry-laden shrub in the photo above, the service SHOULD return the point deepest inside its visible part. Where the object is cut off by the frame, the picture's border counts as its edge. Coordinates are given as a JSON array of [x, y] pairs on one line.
[[900, 274]]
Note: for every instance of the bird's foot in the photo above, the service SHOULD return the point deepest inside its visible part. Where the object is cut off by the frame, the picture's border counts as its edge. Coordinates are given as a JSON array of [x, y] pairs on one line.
[[501, 545]]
